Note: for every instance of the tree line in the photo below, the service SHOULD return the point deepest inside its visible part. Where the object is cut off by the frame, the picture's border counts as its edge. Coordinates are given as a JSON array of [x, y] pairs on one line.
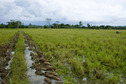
[[19, 24]]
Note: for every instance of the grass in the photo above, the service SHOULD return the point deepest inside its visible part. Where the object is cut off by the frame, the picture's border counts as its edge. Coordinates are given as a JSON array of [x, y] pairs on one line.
[[18, 65], [5, 35], [94, 53], [98, 55]]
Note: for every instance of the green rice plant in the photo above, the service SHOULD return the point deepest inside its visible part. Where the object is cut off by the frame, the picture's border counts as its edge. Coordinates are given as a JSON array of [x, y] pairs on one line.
[[18, 65], [104, 50], [5, 35], [48, 55], [88, 66], [77, 66], [112, 79]]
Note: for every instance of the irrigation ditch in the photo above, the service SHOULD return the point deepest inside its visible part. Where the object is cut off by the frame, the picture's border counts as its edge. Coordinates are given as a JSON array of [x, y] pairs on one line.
[[6, 56], [40, 70]]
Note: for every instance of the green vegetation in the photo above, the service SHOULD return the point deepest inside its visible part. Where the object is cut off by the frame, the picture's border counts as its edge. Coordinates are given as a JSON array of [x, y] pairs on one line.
[[18, 65], [7, 43], [97, 55], [79, 55], [5, 35], [58, 25]]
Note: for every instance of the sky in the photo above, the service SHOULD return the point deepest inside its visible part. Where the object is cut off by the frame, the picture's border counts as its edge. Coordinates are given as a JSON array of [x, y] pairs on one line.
[[94, 12]]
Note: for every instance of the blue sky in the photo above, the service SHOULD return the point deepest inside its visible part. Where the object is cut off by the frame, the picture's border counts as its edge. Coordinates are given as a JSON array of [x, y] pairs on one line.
[[94, 12]]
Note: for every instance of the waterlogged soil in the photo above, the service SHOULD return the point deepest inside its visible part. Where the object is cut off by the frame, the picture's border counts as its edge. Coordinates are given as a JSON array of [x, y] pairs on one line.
[[81, 80], [40, 70], [34, 79], [6, 56], [9, 63]]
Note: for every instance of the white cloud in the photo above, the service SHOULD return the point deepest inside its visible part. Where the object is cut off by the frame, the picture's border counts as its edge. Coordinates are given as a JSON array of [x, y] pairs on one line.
[[95, 11]]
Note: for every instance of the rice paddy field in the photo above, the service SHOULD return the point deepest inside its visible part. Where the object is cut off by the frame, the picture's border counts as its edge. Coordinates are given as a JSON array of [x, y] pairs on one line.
[[78, 56], [92, 56], [5, 35]]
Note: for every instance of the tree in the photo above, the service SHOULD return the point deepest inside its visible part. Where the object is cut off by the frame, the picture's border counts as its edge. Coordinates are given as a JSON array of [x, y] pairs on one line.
[[67, 25], [76, 26], [48, 21], [62, 25], [80, 23], [2, 25], [54, 25], [45, 26], [18, 23], [14, 24], [11, 24], [57, 23], [102, 26], [30, 25], [88, 25]]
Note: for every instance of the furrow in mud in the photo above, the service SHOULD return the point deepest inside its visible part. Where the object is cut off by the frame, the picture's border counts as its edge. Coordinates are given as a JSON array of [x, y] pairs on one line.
[[6, 56], [40, 70]]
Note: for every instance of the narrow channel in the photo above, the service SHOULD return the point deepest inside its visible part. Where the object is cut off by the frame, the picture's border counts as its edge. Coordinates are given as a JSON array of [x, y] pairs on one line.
[[9, 64], [39, 70], [33, 78]]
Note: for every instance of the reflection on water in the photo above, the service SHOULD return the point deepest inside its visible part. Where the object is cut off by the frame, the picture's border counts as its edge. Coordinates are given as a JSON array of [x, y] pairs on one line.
[[0, 80], [33, 78], [9, 63]]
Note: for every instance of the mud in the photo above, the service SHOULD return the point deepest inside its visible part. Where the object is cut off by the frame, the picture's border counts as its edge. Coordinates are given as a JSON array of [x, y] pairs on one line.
[[40, 70], [9, 63], [6, 56], [33, 78]]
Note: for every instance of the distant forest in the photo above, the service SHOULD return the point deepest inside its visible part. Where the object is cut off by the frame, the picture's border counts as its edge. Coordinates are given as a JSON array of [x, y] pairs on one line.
[[18, 24]]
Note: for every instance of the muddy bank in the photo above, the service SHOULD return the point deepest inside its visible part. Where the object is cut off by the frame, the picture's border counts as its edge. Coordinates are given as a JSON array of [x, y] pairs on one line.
[[40, 70], [6, 56], [34, 79]]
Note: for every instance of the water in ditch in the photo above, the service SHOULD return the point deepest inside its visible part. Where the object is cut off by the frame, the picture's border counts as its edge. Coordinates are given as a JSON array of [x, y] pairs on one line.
[[0, 80], [33, 78], [9, 63]]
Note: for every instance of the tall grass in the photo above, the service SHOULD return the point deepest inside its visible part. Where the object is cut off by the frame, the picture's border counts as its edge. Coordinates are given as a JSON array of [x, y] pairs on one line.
[[18, 65], [91, 53], [5, 35]]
